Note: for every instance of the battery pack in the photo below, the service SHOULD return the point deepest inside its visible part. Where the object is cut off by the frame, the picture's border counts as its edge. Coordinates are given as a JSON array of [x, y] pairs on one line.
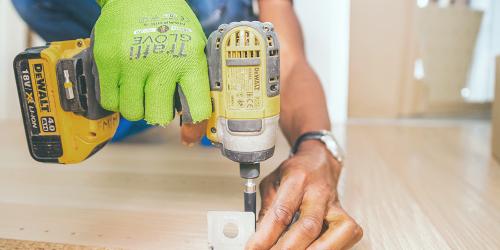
[[57, 90]]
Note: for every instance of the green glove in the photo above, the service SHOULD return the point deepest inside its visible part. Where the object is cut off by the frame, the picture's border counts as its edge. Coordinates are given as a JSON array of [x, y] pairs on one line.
[[143, 50]]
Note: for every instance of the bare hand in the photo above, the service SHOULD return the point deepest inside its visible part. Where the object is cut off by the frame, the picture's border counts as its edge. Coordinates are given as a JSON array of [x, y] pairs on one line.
[[305, 183]]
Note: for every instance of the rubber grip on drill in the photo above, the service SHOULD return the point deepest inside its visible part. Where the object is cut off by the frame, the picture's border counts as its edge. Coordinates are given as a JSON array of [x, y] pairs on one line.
[[250, 202]]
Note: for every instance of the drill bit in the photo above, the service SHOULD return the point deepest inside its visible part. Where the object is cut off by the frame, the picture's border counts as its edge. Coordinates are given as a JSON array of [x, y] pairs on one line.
[[249, 172], [250, 196]]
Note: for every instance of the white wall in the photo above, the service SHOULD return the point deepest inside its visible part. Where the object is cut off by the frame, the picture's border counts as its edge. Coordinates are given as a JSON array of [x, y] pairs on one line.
[[12, 41], [482, 75], [326, 30]]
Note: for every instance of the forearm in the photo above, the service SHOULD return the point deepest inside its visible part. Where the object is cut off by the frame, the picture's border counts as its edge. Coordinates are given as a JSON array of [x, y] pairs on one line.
[[303, 106]]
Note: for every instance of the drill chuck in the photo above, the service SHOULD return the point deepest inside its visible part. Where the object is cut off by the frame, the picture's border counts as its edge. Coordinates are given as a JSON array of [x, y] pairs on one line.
[[249, 170]]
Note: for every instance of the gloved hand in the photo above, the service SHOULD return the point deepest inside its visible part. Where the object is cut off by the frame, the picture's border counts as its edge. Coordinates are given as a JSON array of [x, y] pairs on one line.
[[142, 50]]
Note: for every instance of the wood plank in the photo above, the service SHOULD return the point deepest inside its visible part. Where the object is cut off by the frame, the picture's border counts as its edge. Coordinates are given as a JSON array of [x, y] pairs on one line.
[[24, 244], [414, 184]]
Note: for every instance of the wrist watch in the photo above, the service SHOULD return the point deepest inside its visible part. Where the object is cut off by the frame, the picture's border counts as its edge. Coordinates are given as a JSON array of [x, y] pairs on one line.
[[327, 138]]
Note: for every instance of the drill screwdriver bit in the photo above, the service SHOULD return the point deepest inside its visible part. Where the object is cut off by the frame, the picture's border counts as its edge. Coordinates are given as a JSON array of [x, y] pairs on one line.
[[250, 196], [249, 172]]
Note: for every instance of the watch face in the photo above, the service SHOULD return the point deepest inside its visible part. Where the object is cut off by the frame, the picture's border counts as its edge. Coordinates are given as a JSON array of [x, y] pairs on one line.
[[332, 146], [326, 137]]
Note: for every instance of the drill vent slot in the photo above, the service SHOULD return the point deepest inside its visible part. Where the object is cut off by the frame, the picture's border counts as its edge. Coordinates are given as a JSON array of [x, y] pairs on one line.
[[270, 41], [247, 38], [243, 54], [243, 48], [240, 38], [273, 52], [217, 45]]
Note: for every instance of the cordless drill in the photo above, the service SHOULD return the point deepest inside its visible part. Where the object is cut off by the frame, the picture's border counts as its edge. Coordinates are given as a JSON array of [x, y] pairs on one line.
[[244, 70], [64, 123]]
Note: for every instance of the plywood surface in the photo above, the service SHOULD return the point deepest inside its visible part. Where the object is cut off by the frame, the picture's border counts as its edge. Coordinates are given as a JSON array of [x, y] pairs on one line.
[[411, 185]]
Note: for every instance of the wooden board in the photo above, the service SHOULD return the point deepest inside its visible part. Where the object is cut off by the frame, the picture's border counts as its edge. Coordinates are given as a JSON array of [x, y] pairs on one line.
[[7, 244], [411, 185]]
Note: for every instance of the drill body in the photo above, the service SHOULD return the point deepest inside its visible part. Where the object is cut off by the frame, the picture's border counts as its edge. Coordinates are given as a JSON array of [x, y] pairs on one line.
[[244, 73]]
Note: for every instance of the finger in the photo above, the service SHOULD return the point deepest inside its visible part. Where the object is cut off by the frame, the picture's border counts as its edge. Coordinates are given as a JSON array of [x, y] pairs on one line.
[[108, 70], [310, 223], [194, 85], [159, 98], [192, 133], [280, 214], [342, 233], [108, 84], [132, 95], [268, 191]]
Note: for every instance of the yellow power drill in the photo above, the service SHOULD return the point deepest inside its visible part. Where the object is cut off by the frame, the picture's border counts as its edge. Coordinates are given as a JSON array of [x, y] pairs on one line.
[[244, 70], [64, 123]]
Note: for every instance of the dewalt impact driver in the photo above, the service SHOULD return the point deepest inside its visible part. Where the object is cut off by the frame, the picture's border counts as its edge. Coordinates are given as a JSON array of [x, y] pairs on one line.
[[244, 70], [64, 123]]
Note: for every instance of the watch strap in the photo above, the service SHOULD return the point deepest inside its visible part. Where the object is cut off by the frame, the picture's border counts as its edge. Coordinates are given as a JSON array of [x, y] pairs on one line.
[[314, 135], [326, 138]]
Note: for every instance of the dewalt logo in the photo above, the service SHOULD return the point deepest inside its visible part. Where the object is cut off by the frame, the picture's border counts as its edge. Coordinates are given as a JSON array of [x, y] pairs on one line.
[[41, 85]]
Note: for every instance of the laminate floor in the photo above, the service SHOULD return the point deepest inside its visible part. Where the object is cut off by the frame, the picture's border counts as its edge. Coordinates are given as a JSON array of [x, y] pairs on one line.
[[411, 184]]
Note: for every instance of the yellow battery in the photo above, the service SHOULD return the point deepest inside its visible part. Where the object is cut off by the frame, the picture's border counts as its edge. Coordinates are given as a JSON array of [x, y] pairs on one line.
[[57, 93]]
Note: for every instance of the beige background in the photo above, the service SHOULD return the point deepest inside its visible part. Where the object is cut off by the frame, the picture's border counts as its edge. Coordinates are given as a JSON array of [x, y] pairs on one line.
[[387, 38], [379, 56]]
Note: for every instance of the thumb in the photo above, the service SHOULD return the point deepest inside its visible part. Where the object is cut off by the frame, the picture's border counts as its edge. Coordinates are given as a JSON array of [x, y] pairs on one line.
[[194, 93], [192, 133]]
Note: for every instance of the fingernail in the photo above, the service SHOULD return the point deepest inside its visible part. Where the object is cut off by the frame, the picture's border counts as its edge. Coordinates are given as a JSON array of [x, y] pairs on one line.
[[187, 144]]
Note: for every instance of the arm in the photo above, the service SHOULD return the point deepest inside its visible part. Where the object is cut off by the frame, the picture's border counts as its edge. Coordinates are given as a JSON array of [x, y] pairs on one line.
[[306, 182], [297, 76]]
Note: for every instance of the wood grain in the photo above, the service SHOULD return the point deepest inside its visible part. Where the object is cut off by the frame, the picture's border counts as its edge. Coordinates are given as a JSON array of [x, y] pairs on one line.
[[24, 244], [417, 184]]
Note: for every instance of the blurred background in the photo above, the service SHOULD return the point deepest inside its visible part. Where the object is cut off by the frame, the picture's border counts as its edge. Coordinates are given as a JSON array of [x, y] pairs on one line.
[[385, 59], [423, 58]]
